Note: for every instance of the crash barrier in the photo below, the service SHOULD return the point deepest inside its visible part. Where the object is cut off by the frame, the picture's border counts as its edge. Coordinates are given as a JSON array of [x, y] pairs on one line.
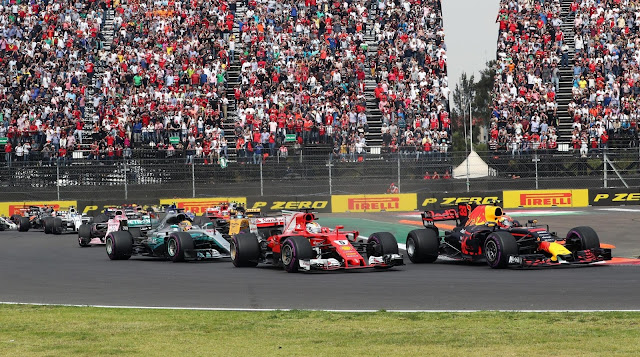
[[546, 198], [7, 209], [366, 203], [614, 197]]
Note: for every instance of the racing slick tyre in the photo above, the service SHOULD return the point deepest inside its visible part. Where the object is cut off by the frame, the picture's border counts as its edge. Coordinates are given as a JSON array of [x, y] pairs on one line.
[[423, 246], [56, 225], [119, 245], [498, 247], [46, 224], [84, 235], [245, 250], [23, 224], [177, 244], [582, 238], [293, 250], [101, 218], [381, 243]]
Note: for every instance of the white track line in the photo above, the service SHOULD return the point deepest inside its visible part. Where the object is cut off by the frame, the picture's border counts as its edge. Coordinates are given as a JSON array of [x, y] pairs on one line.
[[619, 209], [323, 310]]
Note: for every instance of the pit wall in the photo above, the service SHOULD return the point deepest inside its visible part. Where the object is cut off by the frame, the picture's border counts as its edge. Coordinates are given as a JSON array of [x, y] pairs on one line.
[[370, 203]]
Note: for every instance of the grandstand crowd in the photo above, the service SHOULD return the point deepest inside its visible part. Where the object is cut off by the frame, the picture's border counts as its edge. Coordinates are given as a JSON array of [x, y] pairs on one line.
[[606, 75], [531, 50], [302, 70]]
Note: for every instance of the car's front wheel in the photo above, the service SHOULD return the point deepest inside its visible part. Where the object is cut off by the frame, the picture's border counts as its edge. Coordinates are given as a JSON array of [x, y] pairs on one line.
[[423, 246], [84, 235], [293, 250], [177, 244], [498, 247], [582, 238], [24, 224], [119, 245]]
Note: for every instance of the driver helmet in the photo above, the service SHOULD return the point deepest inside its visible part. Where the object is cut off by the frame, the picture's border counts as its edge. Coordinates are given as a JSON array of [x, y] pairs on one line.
[[506, 221], [185, 225], [313, 227]]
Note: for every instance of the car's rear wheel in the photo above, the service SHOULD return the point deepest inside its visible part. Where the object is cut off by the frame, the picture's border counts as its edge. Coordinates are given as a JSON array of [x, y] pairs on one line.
[[46, 223], [582, 238], [423, 246], [56, 225], [119, 245], [498, 247], [245, 250], [382, 243], [293, 250], [177, 244], [24, 224], [84, 235]]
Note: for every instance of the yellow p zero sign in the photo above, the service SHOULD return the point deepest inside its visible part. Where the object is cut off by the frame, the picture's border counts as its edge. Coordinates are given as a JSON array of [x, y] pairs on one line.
[[374, 203], [546, 198], [10, 208], [200, 205]]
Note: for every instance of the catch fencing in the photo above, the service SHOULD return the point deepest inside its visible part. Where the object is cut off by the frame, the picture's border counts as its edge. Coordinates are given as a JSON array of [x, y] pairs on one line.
[[139, 179]]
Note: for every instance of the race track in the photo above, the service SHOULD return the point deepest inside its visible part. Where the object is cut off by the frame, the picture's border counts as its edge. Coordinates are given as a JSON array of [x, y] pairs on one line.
[[38, 268]]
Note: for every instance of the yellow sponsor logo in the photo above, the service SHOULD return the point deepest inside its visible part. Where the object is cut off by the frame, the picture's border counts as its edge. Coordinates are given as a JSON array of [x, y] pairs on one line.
[[200, 205], [546, 198], [374, 203], [10, 208]]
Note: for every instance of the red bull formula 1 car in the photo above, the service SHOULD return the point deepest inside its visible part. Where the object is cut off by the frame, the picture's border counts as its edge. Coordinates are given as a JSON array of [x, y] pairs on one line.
[[297, 242], [485, 233]]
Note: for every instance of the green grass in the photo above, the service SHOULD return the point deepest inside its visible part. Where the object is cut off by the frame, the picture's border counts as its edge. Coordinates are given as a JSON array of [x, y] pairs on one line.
[[84, 331]]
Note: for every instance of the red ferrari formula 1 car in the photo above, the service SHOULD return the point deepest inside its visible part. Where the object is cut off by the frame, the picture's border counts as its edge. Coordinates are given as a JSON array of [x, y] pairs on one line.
[[298, 243], [485, 233]]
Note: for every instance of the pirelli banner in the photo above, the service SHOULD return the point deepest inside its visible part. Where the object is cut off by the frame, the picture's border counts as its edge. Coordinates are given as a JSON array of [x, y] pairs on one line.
[[7, 209], [200, 205], [614, 197], [278, 203], [437, 200], [546, 198], [374, 203]]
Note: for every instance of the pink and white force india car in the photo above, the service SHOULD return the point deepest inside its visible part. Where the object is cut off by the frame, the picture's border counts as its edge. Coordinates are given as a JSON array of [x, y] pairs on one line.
[[96, 233]]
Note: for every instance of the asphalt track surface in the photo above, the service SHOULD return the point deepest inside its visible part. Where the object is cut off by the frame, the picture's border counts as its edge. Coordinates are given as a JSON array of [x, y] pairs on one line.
[[39, 268]]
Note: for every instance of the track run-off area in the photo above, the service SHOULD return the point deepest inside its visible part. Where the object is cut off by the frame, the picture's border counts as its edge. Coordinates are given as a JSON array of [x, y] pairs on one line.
[[44, 269]]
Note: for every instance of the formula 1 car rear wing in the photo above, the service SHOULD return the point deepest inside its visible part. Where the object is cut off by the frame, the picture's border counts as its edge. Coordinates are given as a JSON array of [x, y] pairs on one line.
[[459, 214]]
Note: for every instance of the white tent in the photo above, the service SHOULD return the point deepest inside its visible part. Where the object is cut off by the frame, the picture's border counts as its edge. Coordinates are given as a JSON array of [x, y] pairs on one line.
[[477, 168]]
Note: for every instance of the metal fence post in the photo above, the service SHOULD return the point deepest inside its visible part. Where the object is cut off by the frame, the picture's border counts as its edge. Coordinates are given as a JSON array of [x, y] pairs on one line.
[[399, 171], [58, 179], [535, 159], [604, 162], [193, 180], [126, 187], [330, 183], [261, 182]]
